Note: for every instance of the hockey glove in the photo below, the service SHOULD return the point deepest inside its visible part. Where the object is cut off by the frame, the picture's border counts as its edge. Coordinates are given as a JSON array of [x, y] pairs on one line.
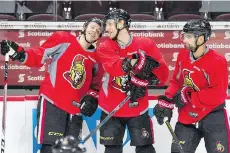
[[137, 89], [163, 109], [89, 103], [183, 97], [19, 53], [137, 86], [126, 65], [145, 64]]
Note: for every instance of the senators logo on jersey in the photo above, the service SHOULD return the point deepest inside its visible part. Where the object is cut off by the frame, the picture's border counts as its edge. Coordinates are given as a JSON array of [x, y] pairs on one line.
[[188, 80], [77, 75], [120, 83]]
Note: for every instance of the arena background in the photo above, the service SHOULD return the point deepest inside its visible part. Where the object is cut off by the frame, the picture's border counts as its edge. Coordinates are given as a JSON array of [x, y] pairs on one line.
[[30, 23]]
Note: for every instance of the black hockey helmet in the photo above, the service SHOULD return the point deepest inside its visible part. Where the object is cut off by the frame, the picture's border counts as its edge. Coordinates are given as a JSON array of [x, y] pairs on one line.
[[118, 14], [68, 144], [199, 27], [96, 20]]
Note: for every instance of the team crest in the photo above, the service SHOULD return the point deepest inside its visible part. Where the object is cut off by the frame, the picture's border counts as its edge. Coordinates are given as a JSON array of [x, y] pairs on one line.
[[188, 80], [219, 147], [76, 75], [144, 133], [120, 83]]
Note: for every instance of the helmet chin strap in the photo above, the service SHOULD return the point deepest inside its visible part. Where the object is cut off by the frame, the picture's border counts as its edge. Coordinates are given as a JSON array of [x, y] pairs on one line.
[[90, 47], [87, 40], [196, 48], [118, 31]]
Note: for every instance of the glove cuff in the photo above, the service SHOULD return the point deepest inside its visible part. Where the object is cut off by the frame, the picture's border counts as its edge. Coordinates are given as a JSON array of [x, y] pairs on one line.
[[165, 104], [141, 60], [138, 82]]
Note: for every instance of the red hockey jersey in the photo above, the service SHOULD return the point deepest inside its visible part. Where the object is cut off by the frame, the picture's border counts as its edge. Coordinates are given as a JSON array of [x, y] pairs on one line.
[[69, 74], [208, 76], [115, 79]]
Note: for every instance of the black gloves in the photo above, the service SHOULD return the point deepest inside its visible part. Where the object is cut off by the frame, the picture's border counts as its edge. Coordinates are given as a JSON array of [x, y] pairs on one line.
[[137, 88], [89, 103], [145, 64], [163, 109], [19, 53], [183, 97]]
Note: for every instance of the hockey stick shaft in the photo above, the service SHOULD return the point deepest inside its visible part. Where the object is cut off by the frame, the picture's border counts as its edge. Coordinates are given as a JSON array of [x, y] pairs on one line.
[[4, 104], [106, 119], [3, 142], [176, 140]]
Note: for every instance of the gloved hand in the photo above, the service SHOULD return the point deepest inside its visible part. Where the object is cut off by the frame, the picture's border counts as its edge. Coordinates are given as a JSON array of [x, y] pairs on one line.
[[163, 109], [137, 88], [183, 97], [89, 103], [19, 53], [145, 64]]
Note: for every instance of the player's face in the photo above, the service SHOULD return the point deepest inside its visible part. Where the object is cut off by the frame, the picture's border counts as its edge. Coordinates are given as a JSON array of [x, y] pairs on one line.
[[93, 32], [189, 41], [110, 27]]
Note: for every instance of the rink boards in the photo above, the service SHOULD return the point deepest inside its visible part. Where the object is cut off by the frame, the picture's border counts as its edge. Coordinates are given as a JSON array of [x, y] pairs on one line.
[[21, 128]]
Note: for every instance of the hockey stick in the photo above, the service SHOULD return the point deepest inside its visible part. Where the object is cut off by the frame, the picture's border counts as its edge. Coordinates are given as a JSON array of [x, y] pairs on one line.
[[103, 121], [4, 104], [175, 139], [3, 142]]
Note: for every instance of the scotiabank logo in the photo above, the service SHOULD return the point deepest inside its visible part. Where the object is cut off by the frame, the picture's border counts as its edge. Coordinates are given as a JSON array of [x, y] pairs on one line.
[[39, 33], [37, 78], [15, 67], [175, 55], [227, 56], [21, 78], [148, 34], [21, 34], [176, 35], [24, 45], [170, 45], [227, 35], [220, 45]]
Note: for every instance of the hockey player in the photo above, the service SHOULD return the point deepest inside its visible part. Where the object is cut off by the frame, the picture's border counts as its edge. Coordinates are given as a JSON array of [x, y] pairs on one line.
[[130, 64], [70, 77], [201, 77]]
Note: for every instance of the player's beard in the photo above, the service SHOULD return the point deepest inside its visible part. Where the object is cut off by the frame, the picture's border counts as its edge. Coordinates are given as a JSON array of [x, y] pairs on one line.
[[190, 47], [113, 35]]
